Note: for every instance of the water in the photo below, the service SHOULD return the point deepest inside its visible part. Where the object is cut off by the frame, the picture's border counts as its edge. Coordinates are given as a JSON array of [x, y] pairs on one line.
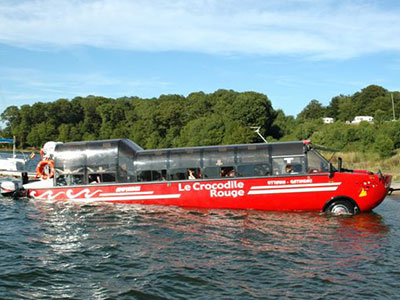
[[66, 251]]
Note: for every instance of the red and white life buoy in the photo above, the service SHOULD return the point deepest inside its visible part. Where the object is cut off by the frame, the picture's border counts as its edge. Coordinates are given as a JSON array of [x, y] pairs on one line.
[[41, 169]]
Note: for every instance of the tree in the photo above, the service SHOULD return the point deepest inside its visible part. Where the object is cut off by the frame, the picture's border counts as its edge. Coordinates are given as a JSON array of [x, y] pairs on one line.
[[314, 110], [332, 110], [347, 110], [380, 116], [11, 116], [203, 131], [42, 133], [283, 125], [384, 146]]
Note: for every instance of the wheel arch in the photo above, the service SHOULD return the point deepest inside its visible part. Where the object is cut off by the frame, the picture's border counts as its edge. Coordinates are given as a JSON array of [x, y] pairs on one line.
[[337, 198]]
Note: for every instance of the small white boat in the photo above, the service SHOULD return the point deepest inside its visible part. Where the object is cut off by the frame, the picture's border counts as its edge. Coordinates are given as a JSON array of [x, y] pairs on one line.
[[11, 163]]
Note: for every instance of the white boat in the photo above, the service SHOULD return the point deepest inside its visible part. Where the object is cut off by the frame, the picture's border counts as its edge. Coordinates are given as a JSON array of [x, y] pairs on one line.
[[11, 163]]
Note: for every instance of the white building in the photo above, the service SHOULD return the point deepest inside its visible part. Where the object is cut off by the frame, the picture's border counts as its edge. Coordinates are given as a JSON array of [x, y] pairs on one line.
[[328, 120], [359, 119]]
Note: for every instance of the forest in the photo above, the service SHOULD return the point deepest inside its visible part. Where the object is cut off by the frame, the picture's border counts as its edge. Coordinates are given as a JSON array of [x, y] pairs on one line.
[[221, 117]]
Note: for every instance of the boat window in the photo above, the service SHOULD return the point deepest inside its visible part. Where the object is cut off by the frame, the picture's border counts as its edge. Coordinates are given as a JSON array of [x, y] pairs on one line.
[[253, 161], [144, 176], [151, 161], [94, 178], [159, 175], [108, 177], [177, 174], [69, 179], [184, 159], [112, 160], [60, 179], [220, 157], [288, 165], [75, 179], [211, 172], [251, 170], [101, 177], [251, 155], [287, 149], [125, 163], [70, 160], [184, 174], [193, 173], [151, 175], [219, 172], [316, 163], [151, 166], [102, 157]]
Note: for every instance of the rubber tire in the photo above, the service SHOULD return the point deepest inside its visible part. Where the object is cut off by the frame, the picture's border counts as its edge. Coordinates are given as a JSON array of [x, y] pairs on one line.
[[341, 207]]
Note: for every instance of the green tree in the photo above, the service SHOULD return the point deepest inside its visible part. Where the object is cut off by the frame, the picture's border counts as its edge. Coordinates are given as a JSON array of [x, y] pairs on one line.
[[384, 146], [42, 133], [380, 116], [347, 109], [314, 110], [203, 131]]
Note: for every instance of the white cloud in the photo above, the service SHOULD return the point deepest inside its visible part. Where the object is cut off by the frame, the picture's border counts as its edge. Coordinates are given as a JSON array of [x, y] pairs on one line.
[[326, 29], [69, 85]]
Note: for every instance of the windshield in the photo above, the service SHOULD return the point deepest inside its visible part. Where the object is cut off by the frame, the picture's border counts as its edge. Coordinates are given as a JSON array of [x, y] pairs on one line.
[[316, 162]]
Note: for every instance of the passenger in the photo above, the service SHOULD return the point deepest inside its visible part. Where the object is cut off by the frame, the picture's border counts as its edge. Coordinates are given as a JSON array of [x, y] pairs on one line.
[[123, 173], [222, 173], [191, 174], [163, 175], [289, 169], [94, 178], [231, 173]]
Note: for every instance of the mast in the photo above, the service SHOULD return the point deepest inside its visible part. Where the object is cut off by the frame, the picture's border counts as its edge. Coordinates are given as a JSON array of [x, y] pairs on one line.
[[257, 130], [14, 155]]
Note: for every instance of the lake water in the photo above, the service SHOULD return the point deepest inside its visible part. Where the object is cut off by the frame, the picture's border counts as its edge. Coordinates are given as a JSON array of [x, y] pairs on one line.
[[66, 251]]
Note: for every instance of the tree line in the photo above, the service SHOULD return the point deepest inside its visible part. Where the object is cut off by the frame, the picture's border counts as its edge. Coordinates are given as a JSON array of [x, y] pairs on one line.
[[222, 117]]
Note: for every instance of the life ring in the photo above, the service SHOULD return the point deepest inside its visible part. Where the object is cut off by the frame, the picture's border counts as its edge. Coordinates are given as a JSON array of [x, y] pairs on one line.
[[40, 169]]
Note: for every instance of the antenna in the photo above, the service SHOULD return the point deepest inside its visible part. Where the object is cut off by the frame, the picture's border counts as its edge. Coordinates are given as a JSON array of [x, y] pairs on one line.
[[257, 130]]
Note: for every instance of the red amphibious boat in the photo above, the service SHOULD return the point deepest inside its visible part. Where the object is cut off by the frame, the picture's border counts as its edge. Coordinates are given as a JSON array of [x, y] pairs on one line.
[[289, 176]]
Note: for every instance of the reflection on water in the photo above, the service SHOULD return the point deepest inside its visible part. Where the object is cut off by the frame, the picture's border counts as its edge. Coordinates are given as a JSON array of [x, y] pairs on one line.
[[125, 251]]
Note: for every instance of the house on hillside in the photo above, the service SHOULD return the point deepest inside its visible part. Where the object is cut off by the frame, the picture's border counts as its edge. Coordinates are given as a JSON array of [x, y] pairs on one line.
[[359, 119], [328, 120]]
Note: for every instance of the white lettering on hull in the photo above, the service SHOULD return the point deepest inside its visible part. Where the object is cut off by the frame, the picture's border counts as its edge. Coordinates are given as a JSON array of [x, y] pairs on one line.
[[232, 188]]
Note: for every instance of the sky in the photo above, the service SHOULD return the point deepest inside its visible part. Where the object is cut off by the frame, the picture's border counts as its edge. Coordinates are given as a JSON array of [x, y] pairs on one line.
[[293, 51]]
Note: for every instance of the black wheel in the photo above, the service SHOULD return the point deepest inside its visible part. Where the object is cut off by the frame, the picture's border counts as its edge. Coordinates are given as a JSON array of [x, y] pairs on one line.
[[341, 207]]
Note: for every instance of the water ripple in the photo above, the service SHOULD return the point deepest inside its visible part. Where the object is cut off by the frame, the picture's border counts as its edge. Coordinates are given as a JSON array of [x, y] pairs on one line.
[[65, 251]]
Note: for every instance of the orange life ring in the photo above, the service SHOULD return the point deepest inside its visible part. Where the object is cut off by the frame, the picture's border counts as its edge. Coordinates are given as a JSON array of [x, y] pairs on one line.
[[40, 169]]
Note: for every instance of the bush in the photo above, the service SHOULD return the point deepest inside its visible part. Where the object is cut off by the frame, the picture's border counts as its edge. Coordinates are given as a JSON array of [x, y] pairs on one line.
[[384, 146]]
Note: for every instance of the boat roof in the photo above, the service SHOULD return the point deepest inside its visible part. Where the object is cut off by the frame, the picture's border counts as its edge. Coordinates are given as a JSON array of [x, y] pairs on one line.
[[6, 141], [261, 145], [100, 144], [276, 148]]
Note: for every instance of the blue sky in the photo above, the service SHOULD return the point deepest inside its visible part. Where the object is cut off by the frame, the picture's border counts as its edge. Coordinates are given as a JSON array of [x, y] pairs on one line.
[[291, 50]]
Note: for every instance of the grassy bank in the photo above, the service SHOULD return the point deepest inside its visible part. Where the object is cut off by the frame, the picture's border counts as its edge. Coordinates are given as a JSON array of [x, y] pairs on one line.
[[371, 162]]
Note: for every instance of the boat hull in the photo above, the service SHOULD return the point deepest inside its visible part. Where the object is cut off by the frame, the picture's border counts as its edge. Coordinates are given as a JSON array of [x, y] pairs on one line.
[[307, 192]]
